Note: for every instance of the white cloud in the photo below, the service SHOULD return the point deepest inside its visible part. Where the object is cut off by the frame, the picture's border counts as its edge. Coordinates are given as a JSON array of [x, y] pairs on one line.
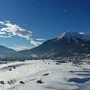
[[2, 33], [81, 33], [1, 22], [40, 39], [20, 47], [36, 43], [15, 30], [1, 36], [6, 21]]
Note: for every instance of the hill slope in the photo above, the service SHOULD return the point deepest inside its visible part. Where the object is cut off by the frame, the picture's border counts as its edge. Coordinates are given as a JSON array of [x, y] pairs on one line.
[[67, 44]]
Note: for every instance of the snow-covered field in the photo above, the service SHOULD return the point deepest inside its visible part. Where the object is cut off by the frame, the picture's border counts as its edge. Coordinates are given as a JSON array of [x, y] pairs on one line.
[[65, 76]]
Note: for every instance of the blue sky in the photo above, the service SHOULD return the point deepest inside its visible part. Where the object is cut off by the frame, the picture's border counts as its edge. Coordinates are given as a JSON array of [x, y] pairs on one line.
[[36, 21]]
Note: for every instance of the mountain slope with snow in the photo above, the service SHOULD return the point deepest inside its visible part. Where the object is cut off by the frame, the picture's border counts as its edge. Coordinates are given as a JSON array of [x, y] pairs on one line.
[[74, 35], [66, 44]]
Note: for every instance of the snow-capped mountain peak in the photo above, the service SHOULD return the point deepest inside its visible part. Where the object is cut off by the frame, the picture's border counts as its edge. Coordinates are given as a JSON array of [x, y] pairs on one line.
[[74, 35], [70, 35], [66, 44]]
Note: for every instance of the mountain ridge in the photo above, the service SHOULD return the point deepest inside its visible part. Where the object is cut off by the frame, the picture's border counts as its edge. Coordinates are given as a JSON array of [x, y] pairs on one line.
[[67, 44]]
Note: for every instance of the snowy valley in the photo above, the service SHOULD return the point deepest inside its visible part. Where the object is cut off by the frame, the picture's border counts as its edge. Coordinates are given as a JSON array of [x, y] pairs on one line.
[[44, 44], [44, 75]]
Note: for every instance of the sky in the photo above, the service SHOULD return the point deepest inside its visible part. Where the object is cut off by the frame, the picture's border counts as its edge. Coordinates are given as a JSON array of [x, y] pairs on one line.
[[25, 24]]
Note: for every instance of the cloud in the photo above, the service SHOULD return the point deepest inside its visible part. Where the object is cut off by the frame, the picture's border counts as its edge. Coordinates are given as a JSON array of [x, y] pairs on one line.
[[15, 30], [1, 22], [1, 36], [36, 43], [20, 47], [2, 33], [81, 33], [40, 39]]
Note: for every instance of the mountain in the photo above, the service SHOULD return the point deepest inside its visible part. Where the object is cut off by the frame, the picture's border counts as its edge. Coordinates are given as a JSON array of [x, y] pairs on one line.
[[10, 54], [67, 44], [4, 49], [5, 52]]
